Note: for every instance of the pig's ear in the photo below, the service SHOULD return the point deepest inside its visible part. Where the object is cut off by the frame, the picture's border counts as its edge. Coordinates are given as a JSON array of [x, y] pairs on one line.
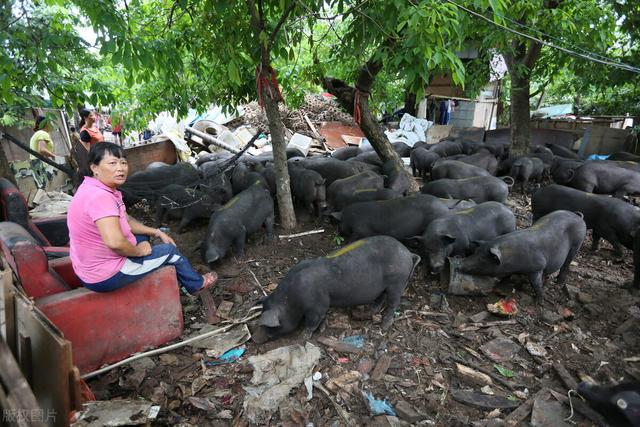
[[495, 251], [270, 319], [337, 215], [448, 238]]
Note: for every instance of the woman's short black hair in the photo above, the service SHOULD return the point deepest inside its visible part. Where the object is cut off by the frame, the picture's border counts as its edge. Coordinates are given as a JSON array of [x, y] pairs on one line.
[[99, 150], [41, 122]]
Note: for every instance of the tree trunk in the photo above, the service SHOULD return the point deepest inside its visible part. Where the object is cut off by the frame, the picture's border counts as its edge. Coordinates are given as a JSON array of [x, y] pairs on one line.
[[520, 114], [410, 103], [283, 186], [378, 140]]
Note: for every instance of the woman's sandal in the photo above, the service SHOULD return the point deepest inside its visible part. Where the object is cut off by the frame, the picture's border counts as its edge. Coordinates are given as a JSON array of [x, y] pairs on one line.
[[210, 279]]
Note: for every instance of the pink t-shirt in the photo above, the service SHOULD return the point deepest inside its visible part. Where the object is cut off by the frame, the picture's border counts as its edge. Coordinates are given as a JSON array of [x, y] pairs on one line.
[[92, 260]]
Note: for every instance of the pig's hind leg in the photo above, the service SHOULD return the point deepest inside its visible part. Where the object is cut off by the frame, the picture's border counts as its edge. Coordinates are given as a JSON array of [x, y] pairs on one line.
[[537, 282], [564, 270], [393, 293], [313, 319], [268, 225]]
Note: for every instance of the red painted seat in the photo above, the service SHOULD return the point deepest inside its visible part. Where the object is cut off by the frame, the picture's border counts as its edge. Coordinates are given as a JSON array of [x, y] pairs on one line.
[[13, 207], [102, 327]]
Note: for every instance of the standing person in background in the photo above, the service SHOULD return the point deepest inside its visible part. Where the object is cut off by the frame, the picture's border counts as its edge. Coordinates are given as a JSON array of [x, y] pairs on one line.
[[446, 106], [42, 143], [116, 127], [89, 132]]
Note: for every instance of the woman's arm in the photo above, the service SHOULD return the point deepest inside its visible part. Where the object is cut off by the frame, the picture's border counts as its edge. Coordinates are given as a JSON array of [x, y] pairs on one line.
[[44, 150], [115, 240], [139, 228]]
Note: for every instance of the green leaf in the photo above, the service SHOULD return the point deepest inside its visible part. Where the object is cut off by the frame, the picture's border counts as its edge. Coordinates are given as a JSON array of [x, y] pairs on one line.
[[232, 70], [507, 373]]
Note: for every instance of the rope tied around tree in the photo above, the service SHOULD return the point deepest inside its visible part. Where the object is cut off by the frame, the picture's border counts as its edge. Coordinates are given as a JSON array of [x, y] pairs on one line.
[[267, 78], [357, 110]]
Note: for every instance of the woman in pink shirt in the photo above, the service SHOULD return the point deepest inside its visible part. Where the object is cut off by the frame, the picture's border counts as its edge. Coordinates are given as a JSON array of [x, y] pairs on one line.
[[108, 248]]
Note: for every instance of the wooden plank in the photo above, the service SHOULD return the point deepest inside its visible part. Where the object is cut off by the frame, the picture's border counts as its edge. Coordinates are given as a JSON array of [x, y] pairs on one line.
[[521, 412], [49, 361], [8, 305], [16, 397]]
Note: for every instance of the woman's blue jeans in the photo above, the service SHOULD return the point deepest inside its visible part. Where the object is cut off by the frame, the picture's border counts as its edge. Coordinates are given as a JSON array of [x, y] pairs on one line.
[[136, 267]]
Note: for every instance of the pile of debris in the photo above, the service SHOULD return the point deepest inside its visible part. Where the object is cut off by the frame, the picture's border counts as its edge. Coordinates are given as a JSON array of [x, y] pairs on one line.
[[317, 109]]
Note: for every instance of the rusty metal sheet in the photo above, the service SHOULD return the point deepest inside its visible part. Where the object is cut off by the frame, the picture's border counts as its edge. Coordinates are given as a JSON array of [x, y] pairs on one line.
[[333, 131]]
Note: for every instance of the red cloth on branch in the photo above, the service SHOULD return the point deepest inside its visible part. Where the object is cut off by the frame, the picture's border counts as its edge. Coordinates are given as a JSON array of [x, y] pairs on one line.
[[267, 79]]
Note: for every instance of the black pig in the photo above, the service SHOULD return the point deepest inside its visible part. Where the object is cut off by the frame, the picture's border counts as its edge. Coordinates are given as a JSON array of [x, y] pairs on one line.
[[360, 273]]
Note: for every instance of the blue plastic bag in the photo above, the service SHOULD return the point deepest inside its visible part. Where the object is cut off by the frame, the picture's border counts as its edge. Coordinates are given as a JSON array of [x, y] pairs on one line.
[[379, 407], [229, 356]]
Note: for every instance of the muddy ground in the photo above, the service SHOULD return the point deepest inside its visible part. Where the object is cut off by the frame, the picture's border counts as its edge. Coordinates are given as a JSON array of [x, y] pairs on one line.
[[431, 329]]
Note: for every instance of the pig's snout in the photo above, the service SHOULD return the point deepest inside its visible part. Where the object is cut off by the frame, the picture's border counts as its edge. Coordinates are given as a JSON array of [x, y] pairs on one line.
[[211, 256], [436, 265], [259, 334]]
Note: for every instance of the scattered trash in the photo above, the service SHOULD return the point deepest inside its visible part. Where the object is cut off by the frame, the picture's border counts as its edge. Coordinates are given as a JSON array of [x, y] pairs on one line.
[[224, 309], [500, 349], [632, 359], [229, 356], [494, 414], [585, 298], [566, 313], [524, 394], [354, 340], [338, 345], [365, 365], [507, 373], [168, 359], [381, 368], [348, 382], [317, 376], [301, 143], [308, 384], [439, 301], [116, 413], [487, 390], [408, 413], [522, 338], [548, 413], [379, 407], [472, 375], [536, 349], [479, 317], [504, 307], [202, 403], [484, 401], [343, 360], [274, 375], [217, 345], [550, 317]]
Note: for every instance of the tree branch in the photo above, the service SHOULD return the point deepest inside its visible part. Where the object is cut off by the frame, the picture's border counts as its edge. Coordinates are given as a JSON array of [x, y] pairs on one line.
[[531, 55], [281, 21]]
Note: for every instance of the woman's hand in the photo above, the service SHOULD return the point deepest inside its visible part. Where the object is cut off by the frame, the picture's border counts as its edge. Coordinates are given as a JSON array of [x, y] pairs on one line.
[[143, 248], [165, 237]]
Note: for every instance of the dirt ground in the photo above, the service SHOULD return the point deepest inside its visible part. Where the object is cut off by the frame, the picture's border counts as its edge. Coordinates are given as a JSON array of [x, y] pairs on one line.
[[589, 328]]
